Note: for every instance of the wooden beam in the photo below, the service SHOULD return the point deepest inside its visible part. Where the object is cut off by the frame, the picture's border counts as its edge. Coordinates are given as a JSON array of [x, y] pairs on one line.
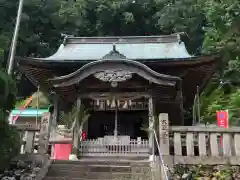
[[116, 94]]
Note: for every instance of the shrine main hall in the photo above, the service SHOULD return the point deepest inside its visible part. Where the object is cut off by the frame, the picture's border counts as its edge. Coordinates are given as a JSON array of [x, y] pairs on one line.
[[122, 81]]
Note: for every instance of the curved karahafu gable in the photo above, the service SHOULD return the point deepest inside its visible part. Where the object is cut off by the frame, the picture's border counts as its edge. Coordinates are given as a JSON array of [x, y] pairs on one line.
[[114, 61]]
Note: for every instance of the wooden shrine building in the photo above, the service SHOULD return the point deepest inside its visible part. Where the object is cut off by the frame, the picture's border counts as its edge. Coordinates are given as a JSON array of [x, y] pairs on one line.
[[137, 76]]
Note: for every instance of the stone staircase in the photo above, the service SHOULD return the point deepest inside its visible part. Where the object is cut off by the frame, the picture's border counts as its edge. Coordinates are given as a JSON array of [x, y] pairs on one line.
[[100, 169]]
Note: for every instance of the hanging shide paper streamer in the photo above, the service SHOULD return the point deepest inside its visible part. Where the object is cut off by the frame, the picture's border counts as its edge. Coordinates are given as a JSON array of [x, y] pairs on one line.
[[98, 102], [102, 104], [108, 102], [130, 102], [113, 105], [125, 106]]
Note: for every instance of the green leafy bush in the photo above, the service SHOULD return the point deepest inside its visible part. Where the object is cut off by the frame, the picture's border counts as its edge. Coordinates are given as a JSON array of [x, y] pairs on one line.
[[10, 141], [206, 172], [9, 137]]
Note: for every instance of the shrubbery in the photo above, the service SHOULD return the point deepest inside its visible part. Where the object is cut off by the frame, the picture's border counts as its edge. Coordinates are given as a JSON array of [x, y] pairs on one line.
[[9, 137], [204, 172]]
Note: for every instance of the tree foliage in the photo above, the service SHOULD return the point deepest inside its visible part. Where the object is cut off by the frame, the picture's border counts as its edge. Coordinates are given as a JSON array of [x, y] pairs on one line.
[[9, 137], [69, 119], [43, 21], [191, 172], [39, 101], [222, 35]]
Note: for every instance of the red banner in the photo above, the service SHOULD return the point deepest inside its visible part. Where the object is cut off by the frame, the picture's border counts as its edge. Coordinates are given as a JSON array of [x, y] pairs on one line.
[[84, 136], [222, 119]]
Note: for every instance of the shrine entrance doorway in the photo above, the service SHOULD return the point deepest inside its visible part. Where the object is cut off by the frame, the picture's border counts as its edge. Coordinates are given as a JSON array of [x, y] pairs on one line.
[[129, 123]]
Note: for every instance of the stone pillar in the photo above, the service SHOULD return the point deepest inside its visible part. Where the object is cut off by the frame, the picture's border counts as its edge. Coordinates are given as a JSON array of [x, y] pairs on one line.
[[151, 111], [55, 118], [44, 133], [164, 133], [30, 135], [164, 143], [75, 139]]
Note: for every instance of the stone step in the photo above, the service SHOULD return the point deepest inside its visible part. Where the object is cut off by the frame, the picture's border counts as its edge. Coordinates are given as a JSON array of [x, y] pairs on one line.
[[99, 176], [121, 158], [99, 169], [101, 162], [96, 165], [132, 178], [88, 168]]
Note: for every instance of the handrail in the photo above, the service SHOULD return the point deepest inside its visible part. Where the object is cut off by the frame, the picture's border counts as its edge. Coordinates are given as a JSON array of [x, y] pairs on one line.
[[204, 129], [160, 155]]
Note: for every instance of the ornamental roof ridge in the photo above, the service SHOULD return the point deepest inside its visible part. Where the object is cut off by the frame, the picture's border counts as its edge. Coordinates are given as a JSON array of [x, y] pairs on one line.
[[173, 38], [114, 54]]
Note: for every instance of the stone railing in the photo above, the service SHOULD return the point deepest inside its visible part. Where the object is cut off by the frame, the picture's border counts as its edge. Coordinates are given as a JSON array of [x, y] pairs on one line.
[[204, 145], [199, 145], [193, 145]]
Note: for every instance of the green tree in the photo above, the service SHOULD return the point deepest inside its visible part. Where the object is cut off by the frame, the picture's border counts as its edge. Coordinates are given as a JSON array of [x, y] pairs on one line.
[[182, 16], [69, 118], [40, 28], [222, 35], [9, 137], [39, 100], [135, 18], [43, 21]]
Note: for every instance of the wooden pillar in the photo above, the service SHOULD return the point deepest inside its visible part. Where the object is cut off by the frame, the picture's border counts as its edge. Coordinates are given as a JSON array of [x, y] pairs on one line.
[[44, 133], [54, 120], [181, 108], [151, 111], [180, 98], [75, 141], [85, 127]]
